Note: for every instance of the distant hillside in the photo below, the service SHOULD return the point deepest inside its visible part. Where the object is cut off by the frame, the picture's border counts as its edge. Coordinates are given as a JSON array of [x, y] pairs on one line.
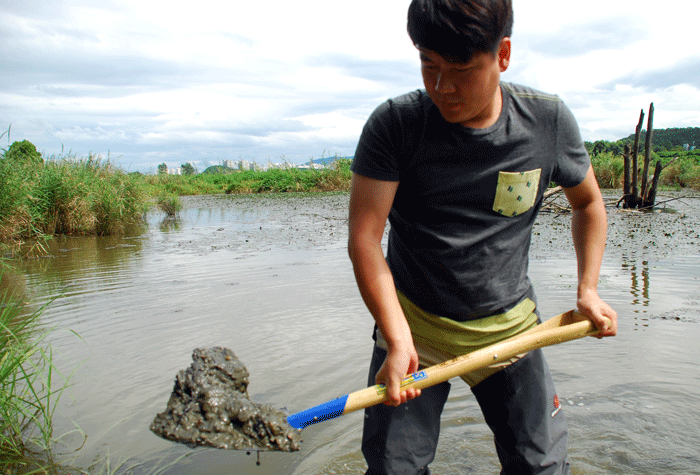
[[668, 139], [327, 160], [218, 169]]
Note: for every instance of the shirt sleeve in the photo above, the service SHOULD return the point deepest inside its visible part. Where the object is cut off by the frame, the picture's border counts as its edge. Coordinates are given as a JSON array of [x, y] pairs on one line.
[[377, 151], [573, 161]]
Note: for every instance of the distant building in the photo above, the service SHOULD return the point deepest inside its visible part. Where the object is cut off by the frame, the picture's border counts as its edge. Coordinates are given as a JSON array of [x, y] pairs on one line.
[[311, 166], [175, 171]]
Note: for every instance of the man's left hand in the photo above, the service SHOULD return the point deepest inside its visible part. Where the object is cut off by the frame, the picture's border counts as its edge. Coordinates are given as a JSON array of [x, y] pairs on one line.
[[600, 313]]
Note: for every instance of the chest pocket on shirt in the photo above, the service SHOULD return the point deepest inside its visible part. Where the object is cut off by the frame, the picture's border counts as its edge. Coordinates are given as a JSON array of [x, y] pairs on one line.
[[516, 192]]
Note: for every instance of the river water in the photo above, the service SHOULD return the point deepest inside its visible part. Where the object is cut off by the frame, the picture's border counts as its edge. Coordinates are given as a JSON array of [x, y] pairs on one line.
[[269, 278]]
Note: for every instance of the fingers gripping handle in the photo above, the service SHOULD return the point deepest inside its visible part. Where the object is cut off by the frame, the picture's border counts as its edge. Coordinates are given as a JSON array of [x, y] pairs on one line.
[[348, 403]]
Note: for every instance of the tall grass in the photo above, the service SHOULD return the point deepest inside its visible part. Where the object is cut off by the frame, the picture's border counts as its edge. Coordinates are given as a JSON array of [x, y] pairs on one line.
[[169, 203], [186, 185], [273, 180], [681, 170], [64, 195], [27, 395]]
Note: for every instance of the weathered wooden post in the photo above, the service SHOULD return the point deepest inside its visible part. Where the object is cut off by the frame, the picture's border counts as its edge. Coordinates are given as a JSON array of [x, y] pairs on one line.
[[632, 196], [651, 199], [634, 200], [626, 181], [647, 155]]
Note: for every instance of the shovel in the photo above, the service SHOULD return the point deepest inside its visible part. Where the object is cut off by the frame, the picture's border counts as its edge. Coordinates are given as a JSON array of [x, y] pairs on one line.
[[567, 326]]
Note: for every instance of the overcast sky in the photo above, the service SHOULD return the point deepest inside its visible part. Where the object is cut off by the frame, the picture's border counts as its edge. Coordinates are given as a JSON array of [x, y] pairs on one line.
[[278, 80]]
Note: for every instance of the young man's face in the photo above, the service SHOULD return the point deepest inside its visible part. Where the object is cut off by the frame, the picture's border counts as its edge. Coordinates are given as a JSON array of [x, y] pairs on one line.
[[466, 93]]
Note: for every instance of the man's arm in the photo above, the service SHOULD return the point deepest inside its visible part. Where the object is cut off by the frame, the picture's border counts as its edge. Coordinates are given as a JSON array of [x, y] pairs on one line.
[[589, 228], [370, 203]]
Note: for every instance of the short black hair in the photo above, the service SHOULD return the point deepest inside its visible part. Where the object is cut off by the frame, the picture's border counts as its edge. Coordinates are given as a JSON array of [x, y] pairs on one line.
[[457, 29]]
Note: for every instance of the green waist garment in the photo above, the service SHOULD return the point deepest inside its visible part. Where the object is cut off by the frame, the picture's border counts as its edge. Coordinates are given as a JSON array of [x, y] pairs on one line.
[[438, 339]]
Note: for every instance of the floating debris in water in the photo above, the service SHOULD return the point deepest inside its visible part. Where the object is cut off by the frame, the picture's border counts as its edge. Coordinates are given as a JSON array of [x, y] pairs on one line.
[[209, 406]]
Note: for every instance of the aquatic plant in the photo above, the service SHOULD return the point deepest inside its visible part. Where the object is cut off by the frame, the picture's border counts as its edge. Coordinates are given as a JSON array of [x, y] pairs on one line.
[[27, 395], [169, 203]]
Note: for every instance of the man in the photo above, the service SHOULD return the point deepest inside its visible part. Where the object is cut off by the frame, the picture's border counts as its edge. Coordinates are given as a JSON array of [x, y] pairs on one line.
[[459, 170]]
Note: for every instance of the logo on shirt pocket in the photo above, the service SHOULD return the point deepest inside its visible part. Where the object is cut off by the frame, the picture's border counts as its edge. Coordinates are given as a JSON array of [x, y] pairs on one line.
[[516, 192]]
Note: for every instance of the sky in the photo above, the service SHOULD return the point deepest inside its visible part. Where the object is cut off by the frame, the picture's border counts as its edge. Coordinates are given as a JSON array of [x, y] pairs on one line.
[[145, 82]]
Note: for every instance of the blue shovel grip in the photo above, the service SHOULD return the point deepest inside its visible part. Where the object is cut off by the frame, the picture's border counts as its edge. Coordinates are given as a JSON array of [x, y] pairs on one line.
[[322, 412]]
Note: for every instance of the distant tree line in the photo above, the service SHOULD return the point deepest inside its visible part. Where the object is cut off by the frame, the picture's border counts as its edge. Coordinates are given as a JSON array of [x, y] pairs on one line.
[[673, 139], [665, 140], [185, 168]]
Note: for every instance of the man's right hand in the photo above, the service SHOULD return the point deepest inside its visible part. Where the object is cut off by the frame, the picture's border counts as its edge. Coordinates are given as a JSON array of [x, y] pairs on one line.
[[400, 362]]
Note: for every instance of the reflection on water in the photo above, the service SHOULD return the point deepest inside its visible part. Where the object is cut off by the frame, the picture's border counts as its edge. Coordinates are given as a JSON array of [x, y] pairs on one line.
[[269, 278], [640, 282]]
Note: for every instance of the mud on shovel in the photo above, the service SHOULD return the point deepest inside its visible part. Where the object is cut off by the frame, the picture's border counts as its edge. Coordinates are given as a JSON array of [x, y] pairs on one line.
[[567, 326]]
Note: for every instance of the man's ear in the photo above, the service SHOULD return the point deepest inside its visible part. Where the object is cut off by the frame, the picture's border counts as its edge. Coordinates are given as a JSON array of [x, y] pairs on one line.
[[504, 54]]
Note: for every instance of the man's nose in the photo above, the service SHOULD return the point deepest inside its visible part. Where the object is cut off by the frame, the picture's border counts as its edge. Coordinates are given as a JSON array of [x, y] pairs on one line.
[[443, 83]]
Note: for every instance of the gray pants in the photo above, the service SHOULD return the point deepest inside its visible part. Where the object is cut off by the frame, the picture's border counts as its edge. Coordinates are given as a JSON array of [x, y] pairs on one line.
[[518, 403]]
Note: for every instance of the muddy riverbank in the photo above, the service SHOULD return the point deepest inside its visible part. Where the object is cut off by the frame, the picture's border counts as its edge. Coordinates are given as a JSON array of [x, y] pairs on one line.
[[671, 229], [260, 222]]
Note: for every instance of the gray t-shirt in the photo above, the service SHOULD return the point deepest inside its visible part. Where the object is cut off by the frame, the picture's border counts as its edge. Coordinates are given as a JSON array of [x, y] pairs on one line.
[[467, 199]]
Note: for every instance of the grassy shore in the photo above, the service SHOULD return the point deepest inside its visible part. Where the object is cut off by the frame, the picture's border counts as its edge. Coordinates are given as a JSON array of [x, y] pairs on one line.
[[42, 197], [274, 180], [67, 195]]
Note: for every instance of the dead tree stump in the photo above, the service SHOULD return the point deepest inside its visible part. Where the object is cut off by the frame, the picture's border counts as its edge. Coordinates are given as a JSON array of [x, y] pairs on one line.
[[634, 196]]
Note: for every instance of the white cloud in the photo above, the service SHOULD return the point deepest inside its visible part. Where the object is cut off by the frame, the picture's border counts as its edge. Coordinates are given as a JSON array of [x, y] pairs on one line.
[[187, 81]]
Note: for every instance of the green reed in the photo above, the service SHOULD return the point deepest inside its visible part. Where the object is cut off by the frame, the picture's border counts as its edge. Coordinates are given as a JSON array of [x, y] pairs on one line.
[[64, 195], [28, 396]]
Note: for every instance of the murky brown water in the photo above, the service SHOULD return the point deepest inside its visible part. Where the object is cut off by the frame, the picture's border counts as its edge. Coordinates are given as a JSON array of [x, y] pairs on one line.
[[268, 277]]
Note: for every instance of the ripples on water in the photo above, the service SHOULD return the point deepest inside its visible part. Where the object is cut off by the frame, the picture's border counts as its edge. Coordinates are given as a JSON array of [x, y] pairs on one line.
[[269, 278]]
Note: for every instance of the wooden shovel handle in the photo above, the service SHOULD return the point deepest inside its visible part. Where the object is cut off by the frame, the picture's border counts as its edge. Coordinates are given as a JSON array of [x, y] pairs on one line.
[[564, 327]]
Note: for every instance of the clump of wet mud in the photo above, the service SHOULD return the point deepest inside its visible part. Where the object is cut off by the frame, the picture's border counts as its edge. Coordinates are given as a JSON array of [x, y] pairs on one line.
[[209, 406]]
